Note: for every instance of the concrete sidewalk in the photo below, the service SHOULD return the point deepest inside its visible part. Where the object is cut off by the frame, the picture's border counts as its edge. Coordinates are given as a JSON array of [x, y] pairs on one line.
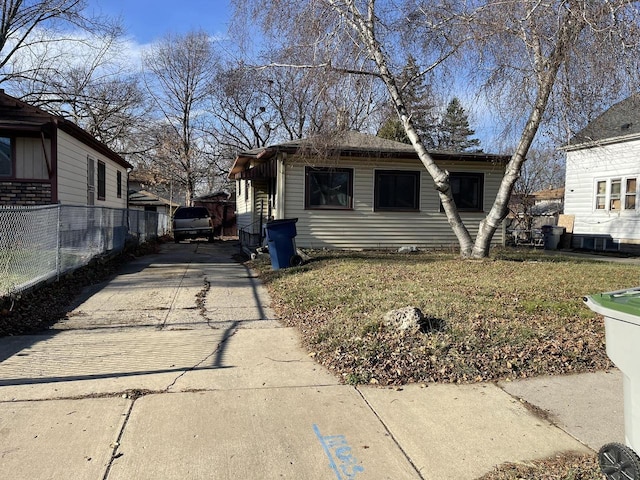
[[178, 369]]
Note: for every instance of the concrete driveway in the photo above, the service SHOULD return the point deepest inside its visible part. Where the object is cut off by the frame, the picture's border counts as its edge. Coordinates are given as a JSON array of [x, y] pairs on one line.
[[178, 369]]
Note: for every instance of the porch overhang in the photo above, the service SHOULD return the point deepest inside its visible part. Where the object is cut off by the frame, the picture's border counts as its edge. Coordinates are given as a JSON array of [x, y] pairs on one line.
[[250, 167]]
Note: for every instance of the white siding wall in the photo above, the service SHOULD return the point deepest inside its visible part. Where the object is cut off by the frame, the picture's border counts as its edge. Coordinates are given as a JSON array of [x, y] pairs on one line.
[[72, 174], [583, 169], [32, 164], [364, 228]]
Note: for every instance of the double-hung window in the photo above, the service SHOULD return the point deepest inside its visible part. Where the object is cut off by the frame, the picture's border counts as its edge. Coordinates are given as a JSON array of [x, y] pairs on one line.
[[328, 188], [616, 194], [630, 193], [397, 190]]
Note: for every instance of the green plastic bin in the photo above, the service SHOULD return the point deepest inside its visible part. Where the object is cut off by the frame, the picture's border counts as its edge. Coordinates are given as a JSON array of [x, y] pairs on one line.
[[621, 311]]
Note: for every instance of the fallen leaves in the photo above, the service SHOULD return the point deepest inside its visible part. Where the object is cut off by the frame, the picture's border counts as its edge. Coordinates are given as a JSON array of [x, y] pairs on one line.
[[501, 320]]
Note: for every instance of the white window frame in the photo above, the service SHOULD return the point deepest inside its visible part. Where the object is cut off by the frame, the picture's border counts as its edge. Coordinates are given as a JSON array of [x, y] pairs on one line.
[[609, 199]]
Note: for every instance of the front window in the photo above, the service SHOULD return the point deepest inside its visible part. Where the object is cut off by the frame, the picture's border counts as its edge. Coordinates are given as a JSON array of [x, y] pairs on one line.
[[102, 181], [467, 190], [6, 157], [397, 190], [329, 188]]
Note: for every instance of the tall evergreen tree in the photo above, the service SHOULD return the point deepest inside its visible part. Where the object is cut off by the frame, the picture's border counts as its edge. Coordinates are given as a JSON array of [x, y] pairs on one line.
[[420, 102], [392, 129], [454, 131]]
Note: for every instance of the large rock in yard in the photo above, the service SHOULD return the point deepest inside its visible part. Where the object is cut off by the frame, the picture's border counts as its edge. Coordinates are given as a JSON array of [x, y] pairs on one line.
[[407, 318]]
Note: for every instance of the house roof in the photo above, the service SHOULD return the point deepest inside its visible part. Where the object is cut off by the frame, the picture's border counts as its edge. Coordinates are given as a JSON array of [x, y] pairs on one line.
[[214, 196], [142, 197], [549, 194], [17, 115], [351, 143], [619, 123]]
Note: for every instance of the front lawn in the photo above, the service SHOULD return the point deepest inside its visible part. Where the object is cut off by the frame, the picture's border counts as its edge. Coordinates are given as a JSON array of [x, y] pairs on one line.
[[517, 315]]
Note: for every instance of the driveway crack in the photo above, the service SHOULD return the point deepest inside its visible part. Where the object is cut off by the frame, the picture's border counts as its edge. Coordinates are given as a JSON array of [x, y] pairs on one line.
[[115, 446], [216, 354]]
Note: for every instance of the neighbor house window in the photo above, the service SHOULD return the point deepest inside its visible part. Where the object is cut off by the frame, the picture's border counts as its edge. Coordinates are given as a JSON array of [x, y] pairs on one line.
[[6, 157], [397, 190], [601, 195], [631, 193], [102, 181], [616, 194], [119, 183], [615, 201], [467, 190], [328, 188]]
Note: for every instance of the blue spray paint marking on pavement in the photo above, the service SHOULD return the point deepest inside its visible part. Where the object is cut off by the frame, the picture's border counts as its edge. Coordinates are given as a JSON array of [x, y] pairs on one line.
[[338, 451]]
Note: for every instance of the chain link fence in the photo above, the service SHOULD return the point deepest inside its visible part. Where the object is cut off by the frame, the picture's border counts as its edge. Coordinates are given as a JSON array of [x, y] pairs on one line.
[[40, 243]]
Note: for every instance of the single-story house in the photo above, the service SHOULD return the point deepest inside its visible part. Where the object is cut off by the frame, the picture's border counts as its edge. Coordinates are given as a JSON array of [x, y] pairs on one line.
[[360, 191], [46, 159], [602, 176]]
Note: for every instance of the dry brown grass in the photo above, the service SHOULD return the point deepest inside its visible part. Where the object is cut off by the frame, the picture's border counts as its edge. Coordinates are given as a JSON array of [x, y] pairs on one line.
[[561, 467], [514, 316]]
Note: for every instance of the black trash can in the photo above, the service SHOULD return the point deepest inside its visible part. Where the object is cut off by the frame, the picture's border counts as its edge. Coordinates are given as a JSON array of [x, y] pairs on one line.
[[281, 241], [551, 236]]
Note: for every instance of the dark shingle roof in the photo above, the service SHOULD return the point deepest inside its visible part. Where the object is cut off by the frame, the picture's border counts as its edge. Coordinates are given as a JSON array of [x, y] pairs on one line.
[[350, 143], [620, 122]]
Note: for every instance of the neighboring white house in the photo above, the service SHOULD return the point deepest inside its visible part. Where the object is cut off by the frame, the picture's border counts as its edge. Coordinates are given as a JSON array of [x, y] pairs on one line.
[[46, 159], [602, 175], [360, 191]]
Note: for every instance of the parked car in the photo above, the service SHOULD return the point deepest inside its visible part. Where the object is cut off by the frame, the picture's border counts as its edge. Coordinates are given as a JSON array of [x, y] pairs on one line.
[[192, 222]]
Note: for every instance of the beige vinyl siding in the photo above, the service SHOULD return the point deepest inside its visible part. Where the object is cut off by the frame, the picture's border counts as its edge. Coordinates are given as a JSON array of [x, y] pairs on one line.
[[583, 169], [362, 227], [72, 174], [32, 164], [243, 211], [261, 199], [248, 206]]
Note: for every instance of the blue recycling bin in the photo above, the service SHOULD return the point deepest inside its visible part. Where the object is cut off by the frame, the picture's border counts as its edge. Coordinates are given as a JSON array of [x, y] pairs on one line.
[[281, 241]]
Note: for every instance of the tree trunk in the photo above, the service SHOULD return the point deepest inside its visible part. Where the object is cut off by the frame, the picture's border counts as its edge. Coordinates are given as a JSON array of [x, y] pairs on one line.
[[547, 69], [440, 176]]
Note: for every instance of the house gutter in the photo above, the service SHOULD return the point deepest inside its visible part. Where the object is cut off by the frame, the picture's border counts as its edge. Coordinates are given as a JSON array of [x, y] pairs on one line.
[[600, 143]]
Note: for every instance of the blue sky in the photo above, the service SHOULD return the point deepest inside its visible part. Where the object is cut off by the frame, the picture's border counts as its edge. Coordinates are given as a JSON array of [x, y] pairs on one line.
[[148, 20]]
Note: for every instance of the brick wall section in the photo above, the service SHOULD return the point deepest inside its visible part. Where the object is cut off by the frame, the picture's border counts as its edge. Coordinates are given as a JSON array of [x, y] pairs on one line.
[[25, 193]]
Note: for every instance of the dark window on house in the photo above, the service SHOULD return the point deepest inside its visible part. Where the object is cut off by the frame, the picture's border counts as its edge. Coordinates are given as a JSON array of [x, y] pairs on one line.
[[102, 181], [328, 188], [6, 157], [397, 190], [119, 183], [467, 190]]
